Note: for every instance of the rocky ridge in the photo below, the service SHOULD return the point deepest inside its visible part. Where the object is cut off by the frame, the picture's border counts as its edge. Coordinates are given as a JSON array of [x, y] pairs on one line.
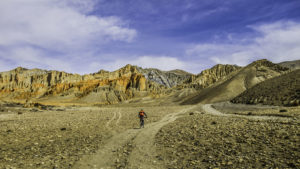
[[293, 65], [210, 76], [108, 87], [167, 78], [237, 82], [219, 83], [103, 87]]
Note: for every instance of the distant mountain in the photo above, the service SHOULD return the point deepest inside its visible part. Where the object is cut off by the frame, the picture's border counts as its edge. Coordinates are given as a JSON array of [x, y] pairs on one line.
[[166, 78], [283, 90], [134, 84], [237, 82], [293, 65]]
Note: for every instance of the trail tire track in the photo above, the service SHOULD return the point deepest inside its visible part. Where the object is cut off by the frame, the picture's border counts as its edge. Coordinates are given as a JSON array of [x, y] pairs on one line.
[[143, 154], [119, 117], [108, 123], [210, 110]]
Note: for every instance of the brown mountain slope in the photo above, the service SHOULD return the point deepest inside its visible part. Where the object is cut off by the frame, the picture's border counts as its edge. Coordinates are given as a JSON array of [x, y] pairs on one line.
[[237, 82], [209, 76], [293, 65], [281, 90]]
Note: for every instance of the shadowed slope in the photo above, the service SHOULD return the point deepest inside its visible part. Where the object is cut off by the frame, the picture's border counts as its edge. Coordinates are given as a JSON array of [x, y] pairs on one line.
[[293, 65], [281, 90]]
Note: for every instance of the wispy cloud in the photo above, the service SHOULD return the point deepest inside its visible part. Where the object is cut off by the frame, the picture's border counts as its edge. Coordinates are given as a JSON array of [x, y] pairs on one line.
[[52, 25], [36, 29], [277, 42], [83, 36], [159, 62]]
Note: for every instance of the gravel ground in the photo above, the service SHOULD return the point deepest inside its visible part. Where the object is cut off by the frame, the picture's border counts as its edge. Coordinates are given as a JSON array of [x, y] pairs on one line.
[[207, 141], [57, 138]]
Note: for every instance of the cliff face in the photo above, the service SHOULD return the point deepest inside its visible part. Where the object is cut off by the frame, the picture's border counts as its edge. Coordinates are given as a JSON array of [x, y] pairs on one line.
[[220, 83], [166, 78], [105, 87], [102, 87], [210, 76]]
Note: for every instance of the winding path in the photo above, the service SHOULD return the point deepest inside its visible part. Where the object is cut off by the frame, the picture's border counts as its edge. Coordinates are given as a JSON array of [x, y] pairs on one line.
[[142, 155], [209, 109]]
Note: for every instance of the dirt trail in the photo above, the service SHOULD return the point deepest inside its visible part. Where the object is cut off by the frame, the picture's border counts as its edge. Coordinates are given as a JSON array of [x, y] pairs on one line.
[[142, 154], [209, 109], [119, 117], [108, 123], [4, 117]]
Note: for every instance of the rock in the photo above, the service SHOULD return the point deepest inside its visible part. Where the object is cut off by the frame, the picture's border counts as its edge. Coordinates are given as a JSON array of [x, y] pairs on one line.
[[229, 163], [191, 113], [210, 76], [63, 129]]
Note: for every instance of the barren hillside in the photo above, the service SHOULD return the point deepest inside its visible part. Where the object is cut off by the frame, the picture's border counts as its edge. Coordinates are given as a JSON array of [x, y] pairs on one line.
[[237, 82], [293, 65], [281, 90]]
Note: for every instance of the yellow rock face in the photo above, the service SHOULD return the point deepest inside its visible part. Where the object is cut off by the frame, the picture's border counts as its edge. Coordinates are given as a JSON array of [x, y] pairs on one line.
[[115, 86]]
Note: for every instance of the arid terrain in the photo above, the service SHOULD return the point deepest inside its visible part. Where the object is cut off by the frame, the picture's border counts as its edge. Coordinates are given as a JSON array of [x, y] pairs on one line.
[[57, 138], [51, 119], [210, 139], [174, 137]]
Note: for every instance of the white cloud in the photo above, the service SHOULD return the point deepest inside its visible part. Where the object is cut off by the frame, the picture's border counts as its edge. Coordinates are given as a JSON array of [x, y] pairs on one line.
[[52, 34], [277, 42], [159, 62], [57, 24], [32, 58]]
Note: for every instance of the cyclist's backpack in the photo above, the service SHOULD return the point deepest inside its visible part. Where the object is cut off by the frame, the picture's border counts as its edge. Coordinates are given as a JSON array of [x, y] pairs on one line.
[[142, 113]]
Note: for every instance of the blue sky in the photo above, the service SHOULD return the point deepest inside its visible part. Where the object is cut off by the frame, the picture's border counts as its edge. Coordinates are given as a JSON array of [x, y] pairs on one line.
[[84, 36]]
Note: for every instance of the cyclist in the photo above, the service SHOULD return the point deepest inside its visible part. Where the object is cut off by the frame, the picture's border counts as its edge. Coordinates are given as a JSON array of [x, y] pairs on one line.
[[142, 115]]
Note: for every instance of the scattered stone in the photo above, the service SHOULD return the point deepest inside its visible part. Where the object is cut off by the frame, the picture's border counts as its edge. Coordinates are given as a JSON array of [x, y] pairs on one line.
[[282, 110], [34, 110], [191, 113], [63, 129]]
